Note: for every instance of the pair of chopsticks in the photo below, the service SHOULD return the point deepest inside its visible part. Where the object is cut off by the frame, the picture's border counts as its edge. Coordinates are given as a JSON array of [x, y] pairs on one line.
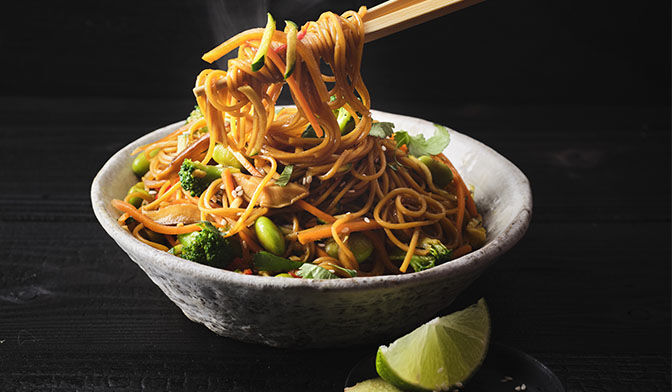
[[396, 15]]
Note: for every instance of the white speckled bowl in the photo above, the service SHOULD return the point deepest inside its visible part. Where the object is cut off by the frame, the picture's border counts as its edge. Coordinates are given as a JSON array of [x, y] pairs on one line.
[[318, 313]]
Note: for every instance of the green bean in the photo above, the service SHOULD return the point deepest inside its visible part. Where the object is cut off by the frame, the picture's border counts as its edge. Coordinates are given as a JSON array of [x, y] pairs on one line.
[[269, 236], [135, 200], [441, 174], [224, 156], [140, 164]]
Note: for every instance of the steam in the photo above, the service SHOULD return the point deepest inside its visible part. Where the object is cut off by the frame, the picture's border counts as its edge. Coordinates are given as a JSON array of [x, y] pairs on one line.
[[229, 17]]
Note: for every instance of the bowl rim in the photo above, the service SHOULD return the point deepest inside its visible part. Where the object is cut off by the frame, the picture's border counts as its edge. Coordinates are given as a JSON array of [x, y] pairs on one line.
[[514, 231]]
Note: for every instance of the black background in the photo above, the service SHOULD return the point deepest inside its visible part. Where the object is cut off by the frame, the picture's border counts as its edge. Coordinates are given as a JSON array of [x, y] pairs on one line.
[[575, 93]]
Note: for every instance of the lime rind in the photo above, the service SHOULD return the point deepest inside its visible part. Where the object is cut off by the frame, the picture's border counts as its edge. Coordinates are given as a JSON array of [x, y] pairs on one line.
[[439, 354]]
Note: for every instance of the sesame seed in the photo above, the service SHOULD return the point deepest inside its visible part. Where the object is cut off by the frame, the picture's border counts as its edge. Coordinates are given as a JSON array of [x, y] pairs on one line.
[[523, 387], [383, 148], [367, 220], [346, 229], [152, 192], [321, 244], [309, 179], [459, 384], [517, 388], [352, 191], [239, 188]]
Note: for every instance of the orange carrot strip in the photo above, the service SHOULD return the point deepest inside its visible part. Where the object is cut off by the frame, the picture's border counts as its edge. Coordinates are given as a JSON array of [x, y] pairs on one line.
[[324, 231], [461, 251], [246, 164], [315, 211], [228, 184], [150, 224], [246, 236]]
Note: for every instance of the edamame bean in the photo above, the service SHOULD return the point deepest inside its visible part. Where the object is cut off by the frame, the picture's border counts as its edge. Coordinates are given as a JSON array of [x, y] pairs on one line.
[[269, 236], [135, 200], [331, 248], [224, 156], [283, 275], [358, 243], [140, 164], [441, 174]]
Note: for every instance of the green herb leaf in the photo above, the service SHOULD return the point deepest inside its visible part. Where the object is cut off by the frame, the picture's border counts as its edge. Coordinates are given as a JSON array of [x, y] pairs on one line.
[[285, 176], [266, 261], [382, 129], [349, 271], [402, 137], [418, 146], [312, 271]]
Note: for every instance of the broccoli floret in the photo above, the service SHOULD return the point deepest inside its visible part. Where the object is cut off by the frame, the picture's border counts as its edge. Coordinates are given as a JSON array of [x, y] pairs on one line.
[[207, 246], [438, 254], [196, 177]]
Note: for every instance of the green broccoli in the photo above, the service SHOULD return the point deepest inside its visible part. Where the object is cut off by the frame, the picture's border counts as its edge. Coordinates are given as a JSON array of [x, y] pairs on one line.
[[196, 177], [438, 254], [207, 246]]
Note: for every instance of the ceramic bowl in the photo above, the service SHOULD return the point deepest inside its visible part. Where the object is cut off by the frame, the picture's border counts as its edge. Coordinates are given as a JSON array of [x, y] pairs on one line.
[[319, 313]]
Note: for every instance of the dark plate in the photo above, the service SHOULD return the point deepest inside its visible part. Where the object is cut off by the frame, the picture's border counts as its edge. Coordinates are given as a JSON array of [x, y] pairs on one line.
[[501, 361]]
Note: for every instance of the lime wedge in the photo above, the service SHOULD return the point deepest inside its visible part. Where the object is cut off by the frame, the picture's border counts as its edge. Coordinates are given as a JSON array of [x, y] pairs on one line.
[[440, 354], [373, 385]]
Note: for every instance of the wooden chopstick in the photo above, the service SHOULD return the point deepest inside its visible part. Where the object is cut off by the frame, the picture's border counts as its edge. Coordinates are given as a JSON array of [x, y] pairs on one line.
[[396, 15]]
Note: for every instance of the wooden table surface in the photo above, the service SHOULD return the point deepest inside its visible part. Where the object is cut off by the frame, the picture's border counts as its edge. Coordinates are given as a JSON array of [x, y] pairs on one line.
[[587, 291]]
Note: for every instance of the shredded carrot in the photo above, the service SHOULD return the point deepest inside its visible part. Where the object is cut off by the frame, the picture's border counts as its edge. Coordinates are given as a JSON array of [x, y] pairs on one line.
[[246, 164], [246, 236], [321, 252], [315, 211], [461, 251], [150, 224], [324, 231], [162, 195], [228, 184]]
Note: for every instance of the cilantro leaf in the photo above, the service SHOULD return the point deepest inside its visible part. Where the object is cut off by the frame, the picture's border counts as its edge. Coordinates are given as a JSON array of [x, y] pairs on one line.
[[349, 271], [418, 146], [402, 137], [266, 261], [382, 129], [285, 176], [312, 271]]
